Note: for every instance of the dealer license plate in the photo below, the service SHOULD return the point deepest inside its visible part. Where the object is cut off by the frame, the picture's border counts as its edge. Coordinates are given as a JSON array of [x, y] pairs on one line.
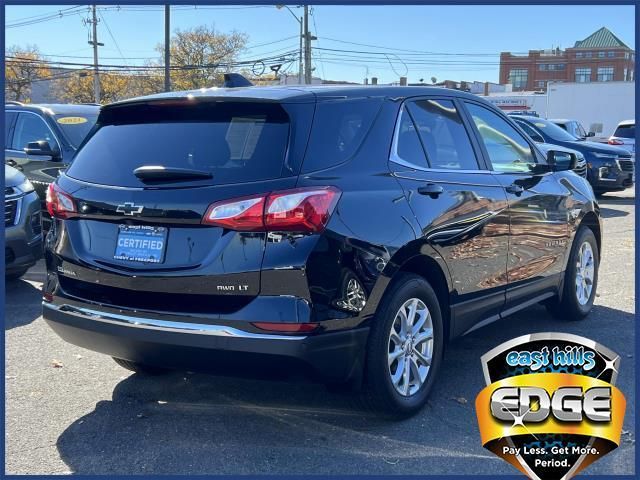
[[141, 243]]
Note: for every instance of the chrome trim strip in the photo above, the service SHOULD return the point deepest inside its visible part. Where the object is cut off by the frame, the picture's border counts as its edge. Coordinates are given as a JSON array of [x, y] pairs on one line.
[[16, 215], [165, 325], [16, 221]]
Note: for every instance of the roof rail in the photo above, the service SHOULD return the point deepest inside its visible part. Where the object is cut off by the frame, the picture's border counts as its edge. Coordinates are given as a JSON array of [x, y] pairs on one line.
[[235, 80], [13, 102]]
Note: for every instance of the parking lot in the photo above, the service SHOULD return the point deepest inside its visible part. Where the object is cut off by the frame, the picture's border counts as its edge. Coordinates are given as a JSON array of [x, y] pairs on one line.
[[69, 410]]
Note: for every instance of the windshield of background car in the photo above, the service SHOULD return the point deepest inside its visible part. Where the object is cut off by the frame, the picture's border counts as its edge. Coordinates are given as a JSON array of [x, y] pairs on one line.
[[625, 131], [233, 141], [75, 127], [580, 130], [552, 130]]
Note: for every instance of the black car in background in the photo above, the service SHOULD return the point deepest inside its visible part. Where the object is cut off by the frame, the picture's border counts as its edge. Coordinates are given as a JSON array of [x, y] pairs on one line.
[[42, 139], [350, 231], [22, 227], [610, 169]]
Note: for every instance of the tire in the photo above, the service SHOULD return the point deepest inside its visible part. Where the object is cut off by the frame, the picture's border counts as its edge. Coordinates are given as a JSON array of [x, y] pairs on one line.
[[16, 275], [140, 367], [572, 306], [379, 391]]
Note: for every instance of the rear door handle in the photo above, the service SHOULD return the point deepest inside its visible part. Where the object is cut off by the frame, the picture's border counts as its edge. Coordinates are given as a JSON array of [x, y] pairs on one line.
[[515, 189], [431, 189]]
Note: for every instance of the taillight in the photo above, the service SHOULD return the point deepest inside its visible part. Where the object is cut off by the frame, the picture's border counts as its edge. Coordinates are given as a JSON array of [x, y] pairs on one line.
[[59, 203], [302, 209], [305, 210], [238, 214], [278, 327], [615, 141]]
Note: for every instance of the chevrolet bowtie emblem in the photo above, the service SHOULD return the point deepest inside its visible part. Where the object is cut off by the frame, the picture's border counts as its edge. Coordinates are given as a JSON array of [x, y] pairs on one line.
[[129, 208]]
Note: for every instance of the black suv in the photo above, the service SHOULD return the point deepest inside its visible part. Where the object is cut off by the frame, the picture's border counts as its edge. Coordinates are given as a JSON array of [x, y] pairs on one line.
[[610, 168], [348, 230], [41, 139]]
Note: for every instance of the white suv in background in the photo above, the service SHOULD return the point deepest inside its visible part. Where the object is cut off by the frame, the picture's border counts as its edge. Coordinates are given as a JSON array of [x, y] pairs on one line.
[[625, 136]]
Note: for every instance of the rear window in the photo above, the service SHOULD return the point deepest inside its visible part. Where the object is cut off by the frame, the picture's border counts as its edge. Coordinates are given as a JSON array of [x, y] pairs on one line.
[[625, 131], [339, 128], [234, 141]]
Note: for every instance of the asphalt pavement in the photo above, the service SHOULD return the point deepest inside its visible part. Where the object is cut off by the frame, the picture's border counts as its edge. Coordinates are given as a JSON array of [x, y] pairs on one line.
[[69, 410]]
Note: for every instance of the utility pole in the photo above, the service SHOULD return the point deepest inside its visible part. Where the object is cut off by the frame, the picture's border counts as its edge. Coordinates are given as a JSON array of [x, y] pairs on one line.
[[307, 47], [167, 48], [300, 68], [94, 42]]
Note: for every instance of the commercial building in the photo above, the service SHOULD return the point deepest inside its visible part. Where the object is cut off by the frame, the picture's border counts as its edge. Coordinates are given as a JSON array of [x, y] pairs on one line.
[[601, 57], [599, 106]]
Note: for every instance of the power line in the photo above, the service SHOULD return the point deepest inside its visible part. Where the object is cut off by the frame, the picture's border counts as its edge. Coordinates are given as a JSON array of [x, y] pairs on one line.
[[115, 42], [54, 16], [272, 59], [35, 19], [421, 52], [315, 27]]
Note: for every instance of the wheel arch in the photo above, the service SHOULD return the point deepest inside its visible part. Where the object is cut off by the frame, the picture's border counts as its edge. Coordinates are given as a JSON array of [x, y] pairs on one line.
[[591, 221], [433, 271]]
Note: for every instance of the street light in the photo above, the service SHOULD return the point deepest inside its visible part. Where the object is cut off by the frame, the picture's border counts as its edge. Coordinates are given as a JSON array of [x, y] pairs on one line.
[[299, 20]]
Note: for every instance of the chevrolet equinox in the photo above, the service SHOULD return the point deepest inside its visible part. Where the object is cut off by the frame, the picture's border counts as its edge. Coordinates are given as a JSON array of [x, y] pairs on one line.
[[350, 231]]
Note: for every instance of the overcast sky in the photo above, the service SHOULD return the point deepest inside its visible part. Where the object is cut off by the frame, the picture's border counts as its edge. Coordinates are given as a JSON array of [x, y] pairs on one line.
[[446, 42]]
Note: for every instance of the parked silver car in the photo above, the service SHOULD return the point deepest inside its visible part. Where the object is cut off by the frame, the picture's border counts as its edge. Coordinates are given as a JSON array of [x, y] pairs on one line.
[[574, 127], [625, 136], [22, 224]]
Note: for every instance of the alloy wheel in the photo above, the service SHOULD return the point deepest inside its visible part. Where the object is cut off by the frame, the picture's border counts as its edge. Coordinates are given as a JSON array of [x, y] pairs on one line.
[[585, 273], [410, 349]]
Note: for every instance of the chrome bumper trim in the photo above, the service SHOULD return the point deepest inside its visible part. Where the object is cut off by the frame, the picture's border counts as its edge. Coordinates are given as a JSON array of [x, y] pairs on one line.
[[165, 325]]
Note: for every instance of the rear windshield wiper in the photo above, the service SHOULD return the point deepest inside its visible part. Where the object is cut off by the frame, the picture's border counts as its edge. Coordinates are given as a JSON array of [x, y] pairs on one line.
[[158, 172]]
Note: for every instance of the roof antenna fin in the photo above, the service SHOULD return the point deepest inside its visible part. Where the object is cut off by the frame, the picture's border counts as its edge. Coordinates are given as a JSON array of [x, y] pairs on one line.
[[235, 80]]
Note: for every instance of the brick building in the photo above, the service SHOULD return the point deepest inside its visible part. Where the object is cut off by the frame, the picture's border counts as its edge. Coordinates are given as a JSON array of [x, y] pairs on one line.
[[601, 57]]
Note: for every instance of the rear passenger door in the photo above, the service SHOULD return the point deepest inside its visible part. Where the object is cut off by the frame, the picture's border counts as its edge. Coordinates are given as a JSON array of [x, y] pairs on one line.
[[459, 204], [538, 208]]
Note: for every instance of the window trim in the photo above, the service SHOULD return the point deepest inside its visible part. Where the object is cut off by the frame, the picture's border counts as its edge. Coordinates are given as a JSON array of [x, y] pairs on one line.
[[540, 158], [8, 138], [479, 154], [15, 123]]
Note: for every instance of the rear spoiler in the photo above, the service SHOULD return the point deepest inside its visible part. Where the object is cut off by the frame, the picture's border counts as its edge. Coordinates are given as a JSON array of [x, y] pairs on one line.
[[235, 80]]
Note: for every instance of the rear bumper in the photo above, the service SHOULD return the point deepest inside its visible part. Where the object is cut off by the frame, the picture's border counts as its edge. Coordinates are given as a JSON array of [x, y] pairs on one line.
[[331, 356]]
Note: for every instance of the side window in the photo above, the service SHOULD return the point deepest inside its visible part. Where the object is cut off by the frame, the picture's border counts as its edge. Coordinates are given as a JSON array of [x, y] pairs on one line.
[[529, 130], [443, 135], [339, 130], [31, 128], [508, 150], [408, 147], [8, 121]]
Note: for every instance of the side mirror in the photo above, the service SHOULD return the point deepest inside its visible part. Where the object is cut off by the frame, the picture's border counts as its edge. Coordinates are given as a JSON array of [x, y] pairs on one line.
[[591, 134], [42, 148], [561, 161]]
